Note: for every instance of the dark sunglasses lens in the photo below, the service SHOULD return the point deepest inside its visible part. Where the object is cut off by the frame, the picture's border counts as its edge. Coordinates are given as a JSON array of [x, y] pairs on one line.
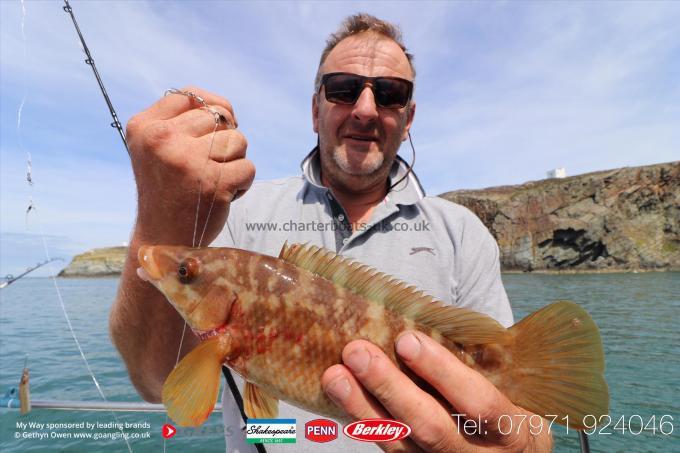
[[391, 93], [343, 88]]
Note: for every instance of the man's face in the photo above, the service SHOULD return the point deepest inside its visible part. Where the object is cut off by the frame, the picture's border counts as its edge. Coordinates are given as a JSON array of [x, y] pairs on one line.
[[359, 142]]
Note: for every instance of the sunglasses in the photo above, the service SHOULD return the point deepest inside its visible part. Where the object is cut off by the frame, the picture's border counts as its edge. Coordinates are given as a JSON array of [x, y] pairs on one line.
[[345, 88]]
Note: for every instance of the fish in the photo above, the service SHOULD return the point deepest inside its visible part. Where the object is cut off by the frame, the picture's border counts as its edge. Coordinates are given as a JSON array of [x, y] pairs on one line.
[[280, 322]]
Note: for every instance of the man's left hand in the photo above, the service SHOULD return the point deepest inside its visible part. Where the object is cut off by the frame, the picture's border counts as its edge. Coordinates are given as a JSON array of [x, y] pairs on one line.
[[370, 385]]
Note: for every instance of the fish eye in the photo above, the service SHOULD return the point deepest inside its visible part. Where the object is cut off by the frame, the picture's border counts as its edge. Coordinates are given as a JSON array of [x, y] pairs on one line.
[[188, 270]]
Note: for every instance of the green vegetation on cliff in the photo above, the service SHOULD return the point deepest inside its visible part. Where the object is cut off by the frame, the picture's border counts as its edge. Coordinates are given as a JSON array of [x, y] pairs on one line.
[[102, 262]]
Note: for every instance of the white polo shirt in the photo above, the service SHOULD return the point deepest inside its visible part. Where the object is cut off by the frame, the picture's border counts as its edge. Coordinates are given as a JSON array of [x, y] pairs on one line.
[[437, 246]]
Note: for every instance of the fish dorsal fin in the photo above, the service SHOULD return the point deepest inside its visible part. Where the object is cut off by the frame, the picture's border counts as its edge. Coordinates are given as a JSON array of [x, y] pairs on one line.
[[284, 250], [457, 324]]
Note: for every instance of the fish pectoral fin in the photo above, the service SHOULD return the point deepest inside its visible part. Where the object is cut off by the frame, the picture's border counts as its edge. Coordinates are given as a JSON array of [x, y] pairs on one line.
[[258, 403], [190, 391]]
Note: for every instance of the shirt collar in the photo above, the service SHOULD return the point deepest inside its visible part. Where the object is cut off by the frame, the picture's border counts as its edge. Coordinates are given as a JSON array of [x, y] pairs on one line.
[[409, 191]]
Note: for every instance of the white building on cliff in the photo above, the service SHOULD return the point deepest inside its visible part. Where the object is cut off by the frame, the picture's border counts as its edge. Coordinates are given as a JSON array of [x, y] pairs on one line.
[[557, 173]]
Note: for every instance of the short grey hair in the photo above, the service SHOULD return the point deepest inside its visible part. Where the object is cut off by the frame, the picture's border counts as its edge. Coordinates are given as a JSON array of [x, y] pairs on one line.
[[357, 24]]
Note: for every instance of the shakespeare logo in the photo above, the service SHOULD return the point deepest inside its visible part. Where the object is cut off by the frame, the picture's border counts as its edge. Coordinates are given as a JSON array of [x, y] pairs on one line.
[[271, 431]]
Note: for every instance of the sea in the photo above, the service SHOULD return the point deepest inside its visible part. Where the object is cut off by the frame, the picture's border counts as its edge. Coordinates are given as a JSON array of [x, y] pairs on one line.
[[638, 316]]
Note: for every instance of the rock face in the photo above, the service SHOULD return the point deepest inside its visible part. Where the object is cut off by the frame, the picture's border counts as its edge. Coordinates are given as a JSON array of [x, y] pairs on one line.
[[623, 219], [104, 262]]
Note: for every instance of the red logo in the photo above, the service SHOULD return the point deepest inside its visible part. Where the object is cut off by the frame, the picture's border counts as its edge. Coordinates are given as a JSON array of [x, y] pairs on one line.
[[169, 431], [377, 430], [321, 430]]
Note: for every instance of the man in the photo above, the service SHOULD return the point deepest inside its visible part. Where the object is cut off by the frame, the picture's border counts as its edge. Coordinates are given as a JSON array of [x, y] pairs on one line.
[[365, 205]]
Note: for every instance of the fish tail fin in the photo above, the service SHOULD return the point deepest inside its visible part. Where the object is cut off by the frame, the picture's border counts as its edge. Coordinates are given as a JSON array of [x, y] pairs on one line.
[[558, 365], [190, 391]]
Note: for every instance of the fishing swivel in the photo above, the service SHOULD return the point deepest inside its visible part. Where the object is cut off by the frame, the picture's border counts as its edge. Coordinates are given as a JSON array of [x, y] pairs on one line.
[[219, 118]]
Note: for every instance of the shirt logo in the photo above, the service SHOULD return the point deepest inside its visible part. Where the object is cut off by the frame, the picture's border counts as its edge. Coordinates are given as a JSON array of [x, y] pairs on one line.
[[415, 250]]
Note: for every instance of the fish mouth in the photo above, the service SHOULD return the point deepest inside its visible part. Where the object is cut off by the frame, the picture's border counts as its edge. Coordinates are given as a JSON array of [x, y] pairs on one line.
[[149, 270]]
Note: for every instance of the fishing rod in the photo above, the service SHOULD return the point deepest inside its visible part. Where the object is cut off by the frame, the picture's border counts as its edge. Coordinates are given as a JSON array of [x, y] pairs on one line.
[[116, 123], [9, 279], [90, 61]]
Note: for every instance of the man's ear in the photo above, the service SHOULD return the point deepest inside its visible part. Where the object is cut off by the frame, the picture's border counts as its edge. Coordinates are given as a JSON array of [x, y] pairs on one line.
[[409, 120], [315, 112]]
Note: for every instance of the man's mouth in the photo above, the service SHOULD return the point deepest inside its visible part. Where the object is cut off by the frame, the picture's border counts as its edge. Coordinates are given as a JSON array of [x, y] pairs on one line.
[[362, 138]]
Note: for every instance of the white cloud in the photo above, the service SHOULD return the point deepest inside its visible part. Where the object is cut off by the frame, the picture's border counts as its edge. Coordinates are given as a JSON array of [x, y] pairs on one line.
[[505, 91]]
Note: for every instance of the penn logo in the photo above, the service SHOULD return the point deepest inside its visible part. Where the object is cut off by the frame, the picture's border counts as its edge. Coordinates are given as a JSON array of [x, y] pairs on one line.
[[377, 430], [321, 430]]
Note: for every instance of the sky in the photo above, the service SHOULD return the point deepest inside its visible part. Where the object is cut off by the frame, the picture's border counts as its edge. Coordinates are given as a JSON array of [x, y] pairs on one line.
[[505, 91]]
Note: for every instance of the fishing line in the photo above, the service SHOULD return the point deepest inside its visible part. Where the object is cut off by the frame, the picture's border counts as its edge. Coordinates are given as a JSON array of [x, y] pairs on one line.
[[23, 98], [204, 105], [29, 165], [218, 118], [214, 197], [31, 207], [75, 338]]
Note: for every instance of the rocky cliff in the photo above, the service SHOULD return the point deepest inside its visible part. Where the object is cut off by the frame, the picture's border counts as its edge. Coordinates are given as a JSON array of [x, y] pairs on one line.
[[104, 262], [623, 219]]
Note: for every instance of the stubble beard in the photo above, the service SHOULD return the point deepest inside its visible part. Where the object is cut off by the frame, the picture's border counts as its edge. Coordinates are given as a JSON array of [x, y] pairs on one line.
[[338, 169], [342, 175], [365, 169]]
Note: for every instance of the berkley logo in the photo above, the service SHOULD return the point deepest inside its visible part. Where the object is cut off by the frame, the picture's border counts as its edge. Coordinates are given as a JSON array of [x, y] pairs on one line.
[[321, 430], [377, 430]]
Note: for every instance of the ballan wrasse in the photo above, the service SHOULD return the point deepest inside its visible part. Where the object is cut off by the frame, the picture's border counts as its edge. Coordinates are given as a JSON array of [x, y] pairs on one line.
[[281, 322]]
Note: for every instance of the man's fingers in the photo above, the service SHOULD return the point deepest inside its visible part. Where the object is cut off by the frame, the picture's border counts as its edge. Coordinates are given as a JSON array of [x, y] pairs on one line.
[[432, 426], [456, 382], [231, 178], [199, 121], [223, 146], [172, 105], [342, 387]]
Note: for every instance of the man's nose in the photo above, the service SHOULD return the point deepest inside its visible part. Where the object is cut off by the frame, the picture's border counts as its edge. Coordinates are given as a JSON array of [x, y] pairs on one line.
[[365, 107]]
